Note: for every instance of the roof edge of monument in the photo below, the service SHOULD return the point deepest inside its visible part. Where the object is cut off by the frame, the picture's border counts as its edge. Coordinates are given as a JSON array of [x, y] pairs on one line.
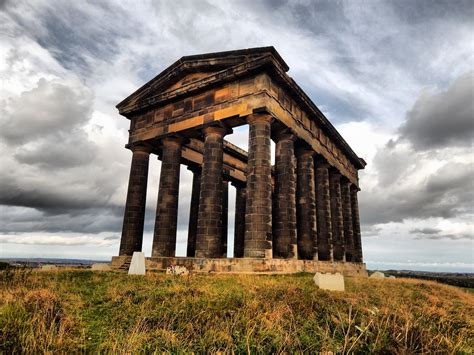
[[171, 71]]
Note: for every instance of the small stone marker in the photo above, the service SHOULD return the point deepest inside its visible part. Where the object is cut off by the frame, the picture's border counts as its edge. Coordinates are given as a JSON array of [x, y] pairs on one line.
[[137, 266], [100, 267], [377, 275], [331, 282], [49, 267], [392, 277]]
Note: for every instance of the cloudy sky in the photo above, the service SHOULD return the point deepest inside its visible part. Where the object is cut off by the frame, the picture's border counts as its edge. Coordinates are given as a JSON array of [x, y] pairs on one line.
[[395, 77]]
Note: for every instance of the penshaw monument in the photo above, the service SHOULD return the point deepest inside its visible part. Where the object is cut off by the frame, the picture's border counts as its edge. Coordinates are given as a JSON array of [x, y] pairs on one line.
[[301, 214]]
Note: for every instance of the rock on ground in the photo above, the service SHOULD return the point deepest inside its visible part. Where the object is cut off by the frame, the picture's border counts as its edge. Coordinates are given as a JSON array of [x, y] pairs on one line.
[[377, 275], [331, 282]]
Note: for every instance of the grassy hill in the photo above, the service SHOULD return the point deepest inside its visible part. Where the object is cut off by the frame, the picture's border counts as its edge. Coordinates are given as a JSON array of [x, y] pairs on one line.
[[77, 310]]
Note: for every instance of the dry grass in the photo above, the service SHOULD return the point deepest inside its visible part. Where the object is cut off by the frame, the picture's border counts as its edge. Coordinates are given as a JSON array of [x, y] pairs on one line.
[[82, 311]]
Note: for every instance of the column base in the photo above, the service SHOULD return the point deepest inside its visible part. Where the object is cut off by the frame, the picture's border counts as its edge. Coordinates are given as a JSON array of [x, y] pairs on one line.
[[247, 265]]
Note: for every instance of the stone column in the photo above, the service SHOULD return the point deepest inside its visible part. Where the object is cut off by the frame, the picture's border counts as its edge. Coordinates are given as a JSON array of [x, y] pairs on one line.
[[356, 225], [347, 219], [239, 220], [164, 239], [323, 211], [284, 199], [306, 205], [134, 216], [208, 242], [258, 211], [193, 212], [336, 215], [225, 216]]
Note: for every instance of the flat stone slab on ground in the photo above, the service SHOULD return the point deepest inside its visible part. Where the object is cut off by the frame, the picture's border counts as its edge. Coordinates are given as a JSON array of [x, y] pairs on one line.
[[331, 282], [137, 266], [101, 267]]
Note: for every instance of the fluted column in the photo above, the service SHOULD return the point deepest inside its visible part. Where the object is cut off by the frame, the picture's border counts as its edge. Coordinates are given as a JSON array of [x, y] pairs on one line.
[[164, 239], [356, 225], [347, 219], [258, 211], [306, 206], [323, 211], [208, 242], [225, 216], [134, 216], [284, 200], [336, 215], [239, 220], [193, 212]]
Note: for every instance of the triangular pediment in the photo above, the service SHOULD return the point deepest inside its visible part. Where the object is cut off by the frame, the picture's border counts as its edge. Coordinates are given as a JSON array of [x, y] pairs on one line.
[[193, 68]]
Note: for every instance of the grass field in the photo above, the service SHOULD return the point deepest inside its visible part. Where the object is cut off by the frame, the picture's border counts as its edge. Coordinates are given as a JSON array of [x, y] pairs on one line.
[[85, 311]]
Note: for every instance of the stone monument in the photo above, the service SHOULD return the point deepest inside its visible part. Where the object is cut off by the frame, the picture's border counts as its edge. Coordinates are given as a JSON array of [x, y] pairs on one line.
[[301, 214]]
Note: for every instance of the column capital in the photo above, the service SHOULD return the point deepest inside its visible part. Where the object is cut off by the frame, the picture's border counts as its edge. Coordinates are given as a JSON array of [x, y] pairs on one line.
[[335, 174], [284, 134], [140, 148], [303, 151], [321, 163], [173, 140], [259, 117], [216, 130]]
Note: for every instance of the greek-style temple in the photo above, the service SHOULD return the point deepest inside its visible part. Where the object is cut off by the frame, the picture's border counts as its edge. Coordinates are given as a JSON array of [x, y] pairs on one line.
[[301, 214]]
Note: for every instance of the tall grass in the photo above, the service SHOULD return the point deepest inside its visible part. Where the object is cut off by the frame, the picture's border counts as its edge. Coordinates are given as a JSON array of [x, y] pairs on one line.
[[82, 311]]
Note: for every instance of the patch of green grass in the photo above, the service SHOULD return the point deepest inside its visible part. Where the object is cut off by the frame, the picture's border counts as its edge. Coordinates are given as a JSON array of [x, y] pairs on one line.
[[78, 310]]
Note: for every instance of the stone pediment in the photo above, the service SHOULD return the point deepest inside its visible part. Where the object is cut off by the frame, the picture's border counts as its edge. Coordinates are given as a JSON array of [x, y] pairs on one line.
[[189, 71]]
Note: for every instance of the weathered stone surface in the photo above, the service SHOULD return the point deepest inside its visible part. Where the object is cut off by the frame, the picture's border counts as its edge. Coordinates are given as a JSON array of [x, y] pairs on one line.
[[377, 275], [193, 212], [209, 234], [239, 220], [356, 225], [347, 220], [164, 239], [134, 217], [336, 216], [225, 217], [330, 282], [323, 211], [258, 210], [284, 198], [259, 265], [177, 270], [306, 206], [100, 267], [137, 266]]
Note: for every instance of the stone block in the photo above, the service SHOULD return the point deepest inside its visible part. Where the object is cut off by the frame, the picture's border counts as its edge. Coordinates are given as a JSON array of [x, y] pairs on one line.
[[331, 282], [137, 266], [377, 275], [100, 267]]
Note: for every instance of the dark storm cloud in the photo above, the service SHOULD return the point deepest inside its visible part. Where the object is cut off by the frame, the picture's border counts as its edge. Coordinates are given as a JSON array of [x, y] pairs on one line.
[[58, 30], [52, 107], [447, 193], [425, 231], [86, 220], [444, 119]]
